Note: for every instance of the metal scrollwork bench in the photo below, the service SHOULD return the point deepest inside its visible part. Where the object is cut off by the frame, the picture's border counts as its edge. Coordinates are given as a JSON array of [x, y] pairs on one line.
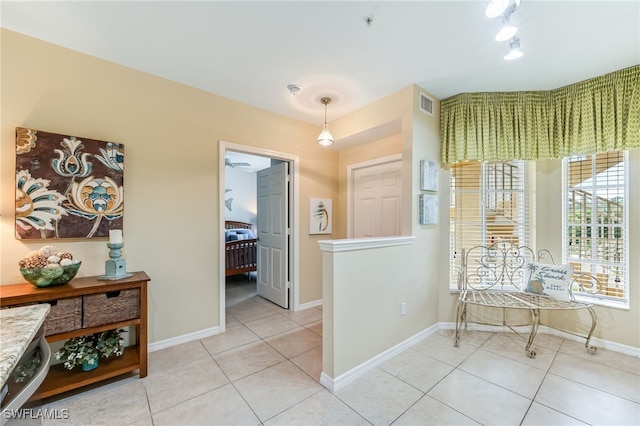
[[491, 276]]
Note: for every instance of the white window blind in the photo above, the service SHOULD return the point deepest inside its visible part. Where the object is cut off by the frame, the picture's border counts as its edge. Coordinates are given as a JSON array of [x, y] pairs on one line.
[[489, 204], [595, 221]]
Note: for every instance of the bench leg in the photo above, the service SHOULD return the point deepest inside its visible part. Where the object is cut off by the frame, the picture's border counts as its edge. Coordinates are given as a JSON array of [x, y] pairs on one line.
[[461, 314], [535, 313], [594, 320]]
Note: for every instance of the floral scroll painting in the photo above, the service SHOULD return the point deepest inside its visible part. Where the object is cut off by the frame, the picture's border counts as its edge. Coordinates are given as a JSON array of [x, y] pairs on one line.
[[320, 216], [67, 186]]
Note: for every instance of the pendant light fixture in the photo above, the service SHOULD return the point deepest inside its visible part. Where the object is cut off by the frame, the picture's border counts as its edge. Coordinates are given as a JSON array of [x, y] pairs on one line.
[[325, 138]]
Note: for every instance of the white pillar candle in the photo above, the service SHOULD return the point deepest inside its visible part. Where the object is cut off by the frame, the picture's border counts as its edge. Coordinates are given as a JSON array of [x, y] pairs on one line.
[[115, 236]]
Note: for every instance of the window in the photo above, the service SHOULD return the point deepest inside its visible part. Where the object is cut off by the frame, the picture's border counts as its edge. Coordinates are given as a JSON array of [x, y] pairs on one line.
[[489, 203], [595, 221]]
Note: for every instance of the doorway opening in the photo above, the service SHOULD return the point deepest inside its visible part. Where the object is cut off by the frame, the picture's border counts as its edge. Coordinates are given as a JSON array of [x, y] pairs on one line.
[[238, 163]]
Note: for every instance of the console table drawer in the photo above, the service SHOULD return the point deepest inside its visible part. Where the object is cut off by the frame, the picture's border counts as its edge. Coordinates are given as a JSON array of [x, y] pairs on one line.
[[110, 307], [65, 315]]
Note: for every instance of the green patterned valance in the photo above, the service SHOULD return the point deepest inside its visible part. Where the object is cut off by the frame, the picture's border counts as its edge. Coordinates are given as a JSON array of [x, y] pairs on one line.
[[592, 116]]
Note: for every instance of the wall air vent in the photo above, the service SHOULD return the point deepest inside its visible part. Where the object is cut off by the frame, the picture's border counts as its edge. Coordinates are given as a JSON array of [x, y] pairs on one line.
[[426, 104]]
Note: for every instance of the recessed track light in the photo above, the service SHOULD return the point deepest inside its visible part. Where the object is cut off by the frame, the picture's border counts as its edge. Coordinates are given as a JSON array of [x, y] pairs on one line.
[[504, 9]]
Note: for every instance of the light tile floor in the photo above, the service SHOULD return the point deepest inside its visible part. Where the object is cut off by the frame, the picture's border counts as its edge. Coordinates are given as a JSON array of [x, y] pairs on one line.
[[265, 369]]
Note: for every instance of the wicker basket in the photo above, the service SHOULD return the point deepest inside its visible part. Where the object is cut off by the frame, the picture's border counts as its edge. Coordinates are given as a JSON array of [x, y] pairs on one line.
[[110, 307], [65, 315]]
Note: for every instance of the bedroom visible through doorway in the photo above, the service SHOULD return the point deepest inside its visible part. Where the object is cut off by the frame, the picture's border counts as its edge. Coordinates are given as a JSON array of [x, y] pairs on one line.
[[249, 236]]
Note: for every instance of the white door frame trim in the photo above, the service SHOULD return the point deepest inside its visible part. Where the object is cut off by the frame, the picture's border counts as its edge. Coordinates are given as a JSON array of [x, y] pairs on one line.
[[351, 168], [294, 217]]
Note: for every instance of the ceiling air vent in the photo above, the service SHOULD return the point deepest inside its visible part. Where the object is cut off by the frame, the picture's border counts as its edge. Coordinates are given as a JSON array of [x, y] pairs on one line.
[[426, 104]]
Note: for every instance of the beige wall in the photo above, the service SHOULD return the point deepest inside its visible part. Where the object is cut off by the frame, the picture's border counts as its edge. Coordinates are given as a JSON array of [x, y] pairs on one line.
[[171, 134], [364, 289], [396, 107], [364, 292]]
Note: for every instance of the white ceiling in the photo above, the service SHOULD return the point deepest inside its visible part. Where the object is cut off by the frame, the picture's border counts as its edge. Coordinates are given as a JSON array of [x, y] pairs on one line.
[[250, 51]]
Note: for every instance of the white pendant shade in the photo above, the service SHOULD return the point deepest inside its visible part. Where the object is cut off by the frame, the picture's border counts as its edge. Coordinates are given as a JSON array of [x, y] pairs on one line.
[[325, 138], [506, 32]]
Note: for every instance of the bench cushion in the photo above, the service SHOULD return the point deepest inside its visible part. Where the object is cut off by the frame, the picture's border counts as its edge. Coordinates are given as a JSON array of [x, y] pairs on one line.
[[548, 280]]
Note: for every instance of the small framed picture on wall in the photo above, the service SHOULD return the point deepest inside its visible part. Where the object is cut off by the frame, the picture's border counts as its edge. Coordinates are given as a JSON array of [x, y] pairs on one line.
[[428, 175], [428, 204], [320, 216]]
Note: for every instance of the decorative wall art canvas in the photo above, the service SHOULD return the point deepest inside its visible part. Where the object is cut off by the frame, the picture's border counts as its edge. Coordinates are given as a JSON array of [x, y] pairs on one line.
[[320, 216], [67, 186], [428, 175], [428, 204]]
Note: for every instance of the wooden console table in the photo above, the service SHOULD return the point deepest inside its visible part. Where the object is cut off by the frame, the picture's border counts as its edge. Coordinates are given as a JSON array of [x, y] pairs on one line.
[[85, 306]]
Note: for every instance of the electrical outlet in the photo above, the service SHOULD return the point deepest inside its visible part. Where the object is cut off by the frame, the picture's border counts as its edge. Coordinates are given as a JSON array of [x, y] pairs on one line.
[[403, 308]]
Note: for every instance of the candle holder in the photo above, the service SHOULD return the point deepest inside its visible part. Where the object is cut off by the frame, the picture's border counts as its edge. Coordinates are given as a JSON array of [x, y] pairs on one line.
[[115, 268]]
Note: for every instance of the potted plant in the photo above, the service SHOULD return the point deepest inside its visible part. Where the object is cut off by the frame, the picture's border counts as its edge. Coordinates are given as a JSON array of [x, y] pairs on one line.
[[110, 342], [79, 351], [86, 350]]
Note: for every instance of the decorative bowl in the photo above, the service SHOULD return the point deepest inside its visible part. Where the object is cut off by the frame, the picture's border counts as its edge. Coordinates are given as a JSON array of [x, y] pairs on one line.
[[45, 277]]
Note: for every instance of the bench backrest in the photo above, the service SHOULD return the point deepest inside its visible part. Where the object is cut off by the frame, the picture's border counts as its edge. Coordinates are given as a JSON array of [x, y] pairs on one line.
[[502, 266], [499, 266]]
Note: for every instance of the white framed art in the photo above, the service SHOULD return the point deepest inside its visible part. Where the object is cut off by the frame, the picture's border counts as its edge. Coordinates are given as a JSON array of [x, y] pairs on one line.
[[428, 204], [428, 175], [320, 216]]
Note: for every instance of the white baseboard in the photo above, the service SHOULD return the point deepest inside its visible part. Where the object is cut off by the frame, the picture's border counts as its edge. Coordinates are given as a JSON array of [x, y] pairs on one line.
[[595, 341], [335, 384], [309, 305], [189, 337]]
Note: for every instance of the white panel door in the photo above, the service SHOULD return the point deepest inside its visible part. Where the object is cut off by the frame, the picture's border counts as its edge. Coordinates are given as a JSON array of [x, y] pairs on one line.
[[273, 210], [376, 200]]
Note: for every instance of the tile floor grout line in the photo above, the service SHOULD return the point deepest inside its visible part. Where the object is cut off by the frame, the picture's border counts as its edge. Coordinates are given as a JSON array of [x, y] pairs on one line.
[[597, 362], [596, 389], [289, 408], [533, 398], [246, 402], [233, 382], [547, 373]]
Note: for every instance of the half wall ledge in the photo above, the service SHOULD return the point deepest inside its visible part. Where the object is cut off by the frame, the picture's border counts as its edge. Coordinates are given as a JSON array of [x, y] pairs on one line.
[[352, 244]]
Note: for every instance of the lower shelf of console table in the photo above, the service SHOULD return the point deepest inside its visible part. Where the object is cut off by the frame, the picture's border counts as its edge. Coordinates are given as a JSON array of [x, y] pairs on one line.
[[61, 380]]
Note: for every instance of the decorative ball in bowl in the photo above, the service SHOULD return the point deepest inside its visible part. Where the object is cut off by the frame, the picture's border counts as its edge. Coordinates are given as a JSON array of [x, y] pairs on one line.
[[48, 267], [50, 276]]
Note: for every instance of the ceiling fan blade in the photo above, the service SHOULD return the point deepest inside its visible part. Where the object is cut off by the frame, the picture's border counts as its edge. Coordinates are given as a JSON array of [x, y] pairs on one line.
[[232, 165]]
